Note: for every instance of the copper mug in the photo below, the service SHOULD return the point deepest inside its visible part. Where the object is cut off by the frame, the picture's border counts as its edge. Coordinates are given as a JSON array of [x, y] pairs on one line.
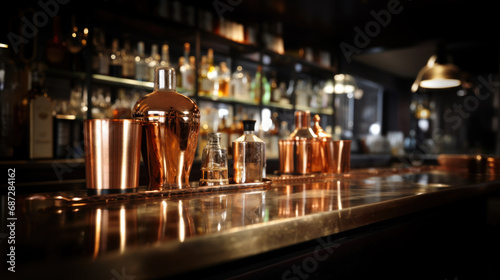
[[112, 155], [300, 156]]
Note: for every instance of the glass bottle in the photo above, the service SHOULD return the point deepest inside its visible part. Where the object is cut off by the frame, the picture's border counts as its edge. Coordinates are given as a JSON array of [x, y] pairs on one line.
[[165, 57], [249, 155], [140, 63], [214, 162], [171, 125], [203, 82], [224, 80], [186, 71], [255, 86], [152, 62], [115, 60], [212, 75], [266, 90], [128, 61], [180, 86], [239, 84]]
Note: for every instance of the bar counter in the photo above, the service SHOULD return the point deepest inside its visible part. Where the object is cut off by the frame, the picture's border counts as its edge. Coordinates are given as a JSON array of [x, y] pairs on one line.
[[306, 227]]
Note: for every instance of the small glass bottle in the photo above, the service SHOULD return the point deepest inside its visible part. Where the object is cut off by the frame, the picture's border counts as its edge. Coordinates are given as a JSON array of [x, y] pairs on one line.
[[115, 61], [214, 162], [249, 155]]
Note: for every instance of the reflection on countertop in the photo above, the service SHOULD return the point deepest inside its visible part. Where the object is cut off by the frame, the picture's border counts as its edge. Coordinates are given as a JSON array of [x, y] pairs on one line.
[[57, 236]]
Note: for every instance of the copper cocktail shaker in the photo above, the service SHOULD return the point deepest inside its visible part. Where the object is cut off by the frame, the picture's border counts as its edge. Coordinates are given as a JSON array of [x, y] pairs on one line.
[[171, 124]]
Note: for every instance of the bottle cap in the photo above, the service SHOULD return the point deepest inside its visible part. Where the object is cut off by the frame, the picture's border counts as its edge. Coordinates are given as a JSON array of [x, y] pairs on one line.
[[249, 125], [214, 137], [165, 78]]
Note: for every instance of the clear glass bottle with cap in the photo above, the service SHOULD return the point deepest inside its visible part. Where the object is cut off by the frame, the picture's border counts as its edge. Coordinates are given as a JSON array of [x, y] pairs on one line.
[[214, 162], [249, 155], [171, 125]]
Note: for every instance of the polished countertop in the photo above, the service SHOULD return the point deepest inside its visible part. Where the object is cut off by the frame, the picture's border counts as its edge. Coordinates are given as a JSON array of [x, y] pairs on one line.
[[153, 235]]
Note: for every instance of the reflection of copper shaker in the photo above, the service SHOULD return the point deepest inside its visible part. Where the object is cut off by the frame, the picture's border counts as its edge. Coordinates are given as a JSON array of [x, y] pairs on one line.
[[172, 123]]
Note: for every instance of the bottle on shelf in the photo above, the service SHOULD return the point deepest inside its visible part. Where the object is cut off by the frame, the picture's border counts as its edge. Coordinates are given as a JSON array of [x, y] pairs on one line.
[[178, 72], [115, 60], [284, 99], [214, 168], [40, 120], [122, 108], [212, 75], [165, 56], [256, 85], [224, 131], [101, 58], [56, 51], [152, 62], [301, 94], [140, 63], [187, 73], [239, 84], [203, 82], [266, 90], [275, 90], [224, 80], [10, 133], [249, 155], [128, 61], [171, 124], [274, 137]]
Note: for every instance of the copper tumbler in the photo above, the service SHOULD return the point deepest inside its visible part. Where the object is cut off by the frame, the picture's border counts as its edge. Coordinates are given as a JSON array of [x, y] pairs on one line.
[[300, 156], [342, 156], [112, 155]]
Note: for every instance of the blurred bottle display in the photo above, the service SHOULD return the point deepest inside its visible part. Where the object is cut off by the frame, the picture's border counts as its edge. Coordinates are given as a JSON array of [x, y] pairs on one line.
[[115, 60], [187, 72], [100, 63], [256, 85], [140, 63], [240, 84], [224, 76], [55, 49], [165, 56], [40, 120], [179, 73], [128, 61], [152, 62]]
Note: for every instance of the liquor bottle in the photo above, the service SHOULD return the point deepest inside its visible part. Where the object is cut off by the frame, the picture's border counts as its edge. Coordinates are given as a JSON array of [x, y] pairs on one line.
[[212, 74], [152, 62], [171, 124], [56, 51], [165, 57], [214, 162], [274, 137], [190, 76], [178, 72], [115, 60], [224, 80], [255, 87], [101, 63], [284, 99], [40, 121], [275, 90], [140, 63], [224, 130], [186, 71], [203, 82], [266, 90], [249, 155], [128, 61], [301, 95], [239, 84]]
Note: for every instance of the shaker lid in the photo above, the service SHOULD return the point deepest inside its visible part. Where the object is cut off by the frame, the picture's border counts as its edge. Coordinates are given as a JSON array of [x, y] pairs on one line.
[[165, 78], [318, 130], [249, 125]]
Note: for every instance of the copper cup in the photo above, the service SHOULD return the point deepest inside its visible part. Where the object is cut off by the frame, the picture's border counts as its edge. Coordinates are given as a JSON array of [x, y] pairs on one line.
[[112, 155], [341, 156], [300, 156], [327, 156]]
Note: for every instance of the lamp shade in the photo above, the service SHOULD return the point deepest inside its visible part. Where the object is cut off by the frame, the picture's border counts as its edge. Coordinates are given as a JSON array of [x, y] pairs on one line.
[[441, 76]]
